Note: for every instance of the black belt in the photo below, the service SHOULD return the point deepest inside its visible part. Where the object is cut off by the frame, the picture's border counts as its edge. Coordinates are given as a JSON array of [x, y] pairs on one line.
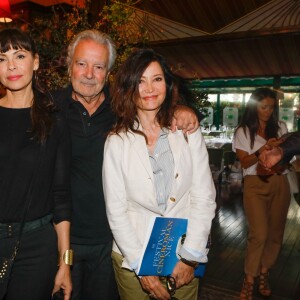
[[8, 230]]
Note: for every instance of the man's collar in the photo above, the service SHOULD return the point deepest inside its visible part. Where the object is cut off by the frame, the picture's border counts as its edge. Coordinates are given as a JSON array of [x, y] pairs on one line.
[[105, 102]]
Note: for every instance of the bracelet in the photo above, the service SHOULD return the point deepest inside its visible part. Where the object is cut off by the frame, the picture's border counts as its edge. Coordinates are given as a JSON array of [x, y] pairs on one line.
[[67, 257], [193, 264], [256, 153]]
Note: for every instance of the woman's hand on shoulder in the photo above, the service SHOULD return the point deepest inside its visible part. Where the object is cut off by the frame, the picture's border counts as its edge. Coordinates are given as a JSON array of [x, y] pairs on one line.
[[154, 287], [183, 274]]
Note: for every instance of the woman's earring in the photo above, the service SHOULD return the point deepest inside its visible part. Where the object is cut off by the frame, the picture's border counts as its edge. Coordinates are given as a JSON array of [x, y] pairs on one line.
[[35, 75]]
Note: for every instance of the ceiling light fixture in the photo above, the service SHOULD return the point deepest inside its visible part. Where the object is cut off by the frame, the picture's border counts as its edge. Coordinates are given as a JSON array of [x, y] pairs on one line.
[[5, 13]]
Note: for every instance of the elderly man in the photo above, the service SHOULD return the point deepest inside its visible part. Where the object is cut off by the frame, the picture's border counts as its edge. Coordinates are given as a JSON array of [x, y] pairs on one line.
[[86, 104]]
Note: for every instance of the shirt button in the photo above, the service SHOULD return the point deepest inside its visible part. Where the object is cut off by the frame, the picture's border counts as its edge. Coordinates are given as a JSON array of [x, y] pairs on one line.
[[84, 113], [9, 233], [172, 199], [176, 175], [89, 124]]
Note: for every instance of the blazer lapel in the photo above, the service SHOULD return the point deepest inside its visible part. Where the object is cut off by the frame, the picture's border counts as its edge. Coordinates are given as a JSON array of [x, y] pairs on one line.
[[138, 142], [176, 145]]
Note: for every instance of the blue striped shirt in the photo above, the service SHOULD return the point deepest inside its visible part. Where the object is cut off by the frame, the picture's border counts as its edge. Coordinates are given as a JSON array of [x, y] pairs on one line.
[[162, 164]]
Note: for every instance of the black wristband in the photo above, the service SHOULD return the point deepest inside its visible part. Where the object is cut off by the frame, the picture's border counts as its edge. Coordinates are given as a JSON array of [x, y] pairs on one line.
[[256, 153], [193, 264]]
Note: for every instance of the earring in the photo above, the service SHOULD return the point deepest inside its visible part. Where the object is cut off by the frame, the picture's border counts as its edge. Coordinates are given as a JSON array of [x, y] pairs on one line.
[[35, 75]]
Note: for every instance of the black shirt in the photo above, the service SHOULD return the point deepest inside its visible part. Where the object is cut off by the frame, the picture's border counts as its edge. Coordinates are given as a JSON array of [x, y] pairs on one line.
[[89, 221], [22, 160]]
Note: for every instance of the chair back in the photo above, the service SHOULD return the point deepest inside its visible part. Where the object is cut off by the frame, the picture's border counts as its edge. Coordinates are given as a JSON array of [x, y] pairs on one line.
[[227, 147], [229, 158], [215, 156]]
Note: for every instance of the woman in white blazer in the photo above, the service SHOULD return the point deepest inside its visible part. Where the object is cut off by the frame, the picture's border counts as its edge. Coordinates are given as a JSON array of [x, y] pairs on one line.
[[150, 171]]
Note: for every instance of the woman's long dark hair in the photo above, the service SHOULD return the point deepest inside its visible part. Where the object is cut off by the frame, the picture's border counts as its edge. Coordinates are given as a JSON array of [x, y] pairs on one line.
[[250, 117], [125, 91], [42, 104]]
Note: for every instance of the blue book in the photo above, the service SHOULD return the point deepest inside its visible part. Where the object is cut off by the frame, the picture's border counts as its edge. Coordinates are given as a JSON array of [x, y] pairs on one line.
[[166, 236]]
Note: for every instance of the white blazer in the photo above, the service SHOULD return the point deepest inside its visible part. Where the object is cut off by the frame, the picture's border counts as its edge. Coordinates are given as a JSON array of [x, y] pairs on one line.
[[130, 192]]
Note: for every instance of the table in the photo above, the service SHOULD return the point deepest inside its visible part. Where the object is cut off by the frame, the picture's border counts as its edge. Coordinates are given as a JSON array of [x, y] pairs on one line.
[[216, 142]]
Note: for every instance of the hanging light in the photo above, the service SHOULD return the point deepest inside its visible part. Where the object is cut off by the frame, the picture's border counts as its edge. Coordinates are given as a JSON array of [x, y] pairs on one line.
[[5, 14]]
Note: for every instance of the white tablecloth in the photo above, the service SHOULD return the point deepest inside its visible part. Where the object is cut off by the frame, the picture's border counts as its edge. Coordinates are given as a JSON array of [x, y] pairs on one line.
[[216, 142]]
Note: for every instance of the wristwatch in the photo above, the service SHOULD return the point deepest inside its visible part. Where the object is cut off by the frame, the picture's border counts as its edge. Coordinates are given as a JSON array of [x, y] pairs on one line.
[[191, 263]]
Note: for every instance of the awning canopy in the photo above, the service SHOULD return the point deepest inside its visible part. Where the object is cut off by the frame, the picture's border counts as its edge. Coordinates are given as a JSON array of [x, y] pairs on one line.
[[264, 42], [246, 85], [243, 56], [208, 40]]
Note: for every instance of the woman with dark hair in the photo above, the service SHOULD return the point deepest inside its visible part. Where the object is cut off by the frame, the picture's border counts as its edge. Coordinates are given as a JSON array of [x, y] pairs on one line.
[[35, 204], [150, 171], [266, 194]]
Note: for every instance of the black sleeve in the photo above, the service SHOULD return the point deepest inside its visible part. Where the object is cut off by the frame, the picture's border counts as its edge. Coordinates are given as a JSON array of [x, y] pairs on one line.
[[61, 181]]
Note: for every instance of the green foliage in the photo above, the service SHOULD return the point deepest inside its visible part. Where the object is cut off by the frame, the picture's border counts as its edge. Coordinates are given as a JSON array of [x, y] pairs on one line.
[[200, 101], [52, 36], [47, 49], [118, 20]]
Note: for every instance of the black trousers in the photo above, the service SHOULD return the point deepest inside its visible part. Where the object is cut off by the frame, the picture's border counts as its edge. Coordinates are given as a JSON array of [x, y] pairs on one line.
[[35, 266], [92, 273]]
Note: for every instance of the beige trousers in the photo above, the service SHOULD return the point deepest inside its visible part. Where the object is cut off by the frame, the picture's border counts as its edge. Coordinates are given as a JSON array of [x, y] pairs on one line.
[[130, 288], [266, 203]]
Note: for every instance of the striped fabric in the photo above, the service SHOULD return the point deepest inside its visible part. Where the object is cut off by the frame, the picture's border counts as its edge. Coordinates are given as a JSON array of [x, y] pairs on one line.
[[162, 164]]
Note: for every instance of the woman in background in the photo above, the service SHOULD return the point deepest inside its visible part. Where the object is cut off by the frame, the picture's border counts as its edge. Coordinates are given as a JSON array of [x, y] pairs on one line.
[[150, 171], [266, 194], [34, 172]]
